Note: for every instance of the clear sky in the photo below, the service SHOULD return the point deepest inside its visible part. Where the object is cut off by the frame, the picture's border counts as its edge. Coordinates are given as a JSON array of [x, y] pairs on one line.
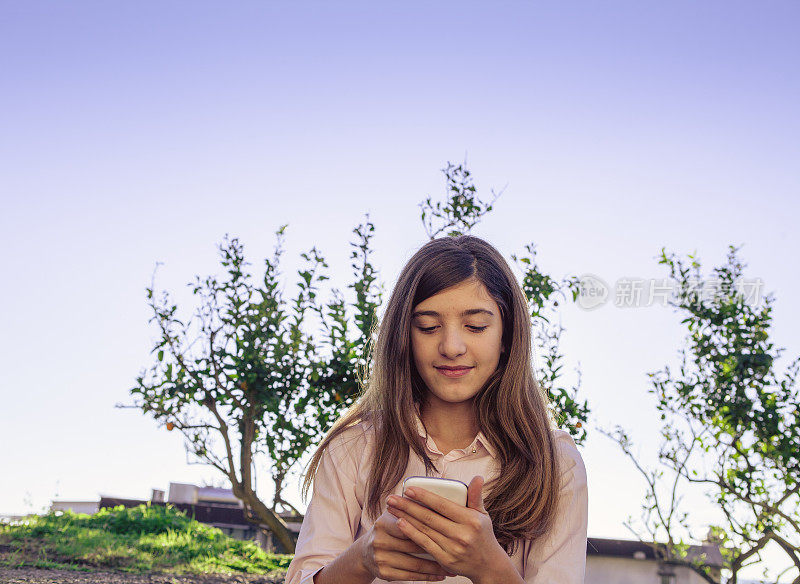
[[136, 133]]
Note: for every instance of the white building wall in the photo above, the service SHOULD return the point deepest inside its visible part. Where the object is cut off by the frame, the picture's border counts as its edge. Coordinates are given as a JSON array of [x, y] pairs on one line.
[[182, 493], [88, 507]]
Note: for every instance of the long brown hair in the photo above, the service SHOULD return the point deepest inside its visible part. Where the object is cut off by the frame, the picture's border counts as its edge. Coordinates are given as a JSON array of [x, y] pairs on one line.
[[511, 408]]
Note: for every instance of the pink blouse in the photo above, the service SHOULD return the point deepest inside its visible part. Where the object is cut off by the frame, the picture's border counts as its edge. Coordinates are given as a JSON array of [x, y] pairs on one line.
[[334, 518]]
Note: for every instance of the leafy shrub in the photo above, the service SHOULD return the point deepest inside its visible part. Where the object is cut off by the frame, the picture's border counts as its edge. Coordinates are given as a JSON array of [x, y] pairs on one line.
[[140, 539], [139, 520]]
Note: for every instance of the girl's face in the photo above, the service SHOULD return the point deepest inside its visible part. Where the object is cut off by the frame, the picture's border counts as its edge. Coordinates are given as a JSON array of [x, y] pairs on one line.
[[456, 340]]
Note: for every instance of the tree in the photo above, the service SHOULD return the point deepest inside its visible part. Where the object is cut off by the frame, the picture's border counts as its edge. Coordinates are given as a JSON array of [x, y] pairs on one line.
[[730, 425], [544, 294], [247, 374], [348, 328], [233, 377], [462, 210]]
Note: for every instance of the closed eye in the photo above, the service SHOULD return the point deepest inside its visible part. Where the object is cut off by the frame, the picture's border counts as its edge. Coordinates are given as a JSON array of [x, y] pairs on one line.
[[475, 329]]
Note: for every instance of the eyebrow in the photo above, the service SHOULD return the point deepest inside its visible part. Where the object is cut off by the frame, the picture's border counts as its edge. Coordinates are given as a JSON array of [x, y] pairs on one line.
[[468, 312]]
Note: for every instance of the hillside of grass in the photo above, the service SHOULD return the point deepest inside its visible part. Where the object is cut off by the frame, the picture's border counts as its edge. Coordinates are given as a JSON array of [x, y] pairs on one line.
[[140, 539]]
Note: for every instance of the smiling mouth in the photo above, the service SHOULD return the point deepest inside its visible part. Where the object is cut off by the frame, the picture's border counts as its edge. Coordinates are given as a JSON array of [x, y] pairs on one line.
[[454, 371]]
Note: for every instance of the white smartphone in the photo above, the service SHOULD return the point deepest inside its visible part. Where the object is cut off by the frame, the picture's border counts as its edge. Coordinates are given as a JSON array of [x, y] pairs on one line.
[[450, 489]]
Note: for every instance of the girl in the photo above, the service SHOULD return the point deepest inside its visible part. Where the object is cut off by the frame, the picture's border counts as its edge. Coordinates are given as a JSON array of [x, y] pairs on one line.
[[451, 394]]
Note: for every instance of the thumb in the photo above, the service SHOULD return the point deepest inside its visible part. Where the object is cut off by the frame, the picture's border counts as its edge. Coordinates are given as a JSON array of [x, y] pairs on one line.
[[475, 494]]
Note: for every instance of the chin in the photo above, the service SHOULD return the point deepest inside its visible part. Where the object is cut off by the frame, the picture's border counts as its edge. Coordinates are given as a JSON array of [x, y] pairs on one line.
[[455, 398]]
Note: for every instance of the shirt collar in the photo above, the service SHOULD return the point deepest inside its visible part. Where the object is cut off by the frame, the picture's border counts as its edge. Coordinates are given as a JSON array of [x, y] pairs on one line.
[[480, 438]]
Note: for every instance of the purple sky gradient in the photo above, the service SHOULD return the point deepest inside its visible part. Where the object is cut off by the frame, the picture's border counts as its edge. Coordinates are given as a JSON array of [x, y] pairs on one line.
[[132, 133]]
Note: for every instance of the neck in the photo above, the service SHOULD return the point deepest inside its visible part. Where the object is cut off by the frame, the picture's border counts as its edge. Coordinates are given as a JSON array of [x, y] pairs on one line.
[[451, 425]]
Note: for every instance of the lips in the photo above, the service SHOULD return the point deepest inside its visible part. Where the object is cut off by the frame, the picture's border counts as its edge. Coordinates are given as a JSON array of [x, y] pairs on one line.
[[454, 371]]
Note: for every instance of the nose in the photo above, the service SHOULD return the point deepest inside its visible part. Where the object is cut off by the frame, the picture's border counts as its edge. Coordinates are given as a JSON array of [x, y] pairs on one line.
[[452, 343]]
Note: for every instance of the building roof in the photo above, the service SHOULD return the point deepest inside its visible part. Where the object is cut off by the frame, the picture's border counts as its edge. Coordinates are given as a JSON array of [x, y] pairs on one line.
[[640, 550], [212, 513]]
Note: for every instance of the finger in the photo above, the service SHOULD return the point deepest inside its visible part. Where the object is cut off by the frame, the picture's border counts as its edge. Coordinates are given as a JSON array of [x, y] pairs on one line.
[[402, 544], [399, 566], [475, 494], [395, 538], [390, 526], [393, 574], [411, 563], [428, 539], [424, 515], [442, 506]]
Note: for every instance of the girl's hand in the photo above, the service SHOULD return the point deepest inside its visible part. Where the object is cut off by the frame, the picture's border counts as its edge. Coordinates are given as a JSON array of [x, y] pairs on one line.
[[386, 554], [460, 538]]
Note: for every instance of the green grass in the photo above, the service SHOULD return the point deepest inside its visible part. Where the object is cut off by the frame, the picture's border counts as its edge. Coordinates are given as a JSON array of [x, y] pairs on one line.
[[140, 539]]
